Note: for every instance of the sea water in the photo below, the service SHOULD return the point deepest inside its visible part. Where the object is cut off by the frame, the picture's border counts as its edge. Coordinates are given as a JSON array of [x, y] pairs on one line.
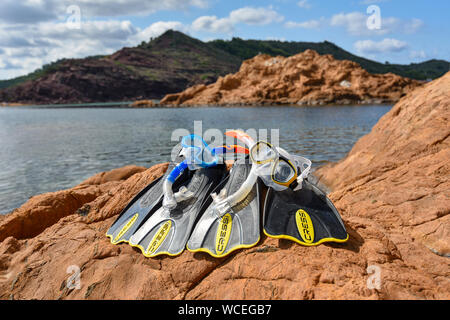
[[45, 149]]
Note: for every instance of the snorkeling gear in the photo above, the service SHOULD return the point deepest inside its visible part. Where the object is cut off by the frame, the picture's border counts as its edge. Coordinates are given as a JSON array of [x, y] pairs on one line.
[[145, 203], [294, 208], [168, 229]]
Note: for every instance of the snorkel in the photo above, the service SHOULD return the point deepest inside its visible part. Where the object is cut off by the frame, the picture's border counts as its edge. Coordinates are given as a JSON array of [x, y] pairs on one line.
[[223, 204], [276, 167], [197, 154]]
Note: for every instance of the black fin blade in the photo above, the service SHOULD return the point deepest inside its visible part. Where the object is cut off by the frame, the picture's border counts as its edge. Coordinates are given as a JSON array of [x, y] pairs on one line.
[[305, 216]]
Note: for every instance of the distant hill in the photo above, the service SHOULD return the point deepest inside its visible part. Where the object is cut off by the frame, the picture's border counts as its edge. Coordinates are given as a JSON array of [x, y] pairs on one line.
[[167, 64], [246, 49]]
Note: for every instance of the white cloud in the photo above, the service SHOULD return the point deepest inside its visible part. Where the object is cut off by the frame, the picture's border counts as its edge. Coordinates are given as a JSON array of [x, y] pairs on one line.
[[255, 16], [156, 29], [28, 47], [355, 23], [304, 4], [33, 11], [418, 55], [383, 46], [129, 7], [246, 15], [213, 24], [310, 24], [413, 26], [111, 30], [13, 11]]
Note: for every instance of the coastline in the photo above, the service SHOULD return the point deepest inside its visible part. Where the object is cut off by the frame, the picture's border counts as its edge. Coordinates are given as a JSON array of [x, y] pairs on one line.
[[139, 104], [69, 105], [11, 104]]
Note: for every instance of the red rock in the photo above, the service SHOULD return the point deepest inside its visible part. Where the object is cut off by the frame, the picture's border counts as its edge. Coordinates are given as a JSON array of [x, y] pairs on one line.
[[306, 78], [392, 192], [113, 175], [398, 174], [143, 104], [44, 210]]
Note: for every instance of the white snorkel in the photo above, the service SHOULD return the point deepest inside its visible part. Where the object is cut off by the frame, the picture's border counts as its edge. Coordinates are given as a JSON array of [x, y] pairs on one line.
[[223, 204], [276, 167]]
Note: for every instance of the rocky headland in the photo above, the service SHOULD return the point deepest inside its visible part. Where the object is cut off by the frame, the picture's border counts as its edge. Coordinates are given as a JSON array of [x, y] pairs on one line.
[[303, 79], [392, 191]]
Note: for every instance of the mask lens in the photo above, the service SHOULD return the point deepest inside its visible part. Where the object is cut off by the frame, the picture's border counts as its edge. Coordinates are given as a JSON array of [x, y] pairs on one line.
[[283, 172], [262, 152]]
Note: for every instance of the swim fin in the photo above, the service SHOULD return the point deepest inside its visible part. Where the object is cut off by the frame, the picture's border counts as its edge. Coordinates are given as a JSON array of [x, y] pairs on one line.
[[239, 228], [144, 204], [167, 231], [305, 216]]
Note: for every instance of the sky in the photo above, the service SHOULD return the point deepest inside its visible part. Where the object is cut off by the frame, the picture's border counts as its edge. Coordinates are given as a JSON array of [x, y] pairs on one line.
[[36, 32]]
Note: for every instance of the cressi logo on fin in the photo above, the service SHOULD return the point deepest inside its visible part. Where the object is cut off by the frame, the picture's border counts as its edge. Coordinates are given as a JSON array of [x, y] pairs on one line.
[[304, 225], [223, 233], [159, 237], [126, 227]]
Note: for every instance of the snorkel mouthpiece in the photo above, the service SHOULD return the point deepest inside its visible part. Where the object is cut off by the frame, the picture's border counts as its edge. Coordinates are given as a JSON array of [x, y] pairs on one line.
[[221, 205], [224, 204]]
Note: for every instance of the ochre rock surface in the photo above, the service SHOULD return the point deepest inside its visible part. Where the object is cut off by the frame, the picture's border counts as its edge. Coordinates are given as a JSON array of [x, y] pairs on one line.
[[392, 191], [398, 175], [44, 210], [305, 79], [143, 104]]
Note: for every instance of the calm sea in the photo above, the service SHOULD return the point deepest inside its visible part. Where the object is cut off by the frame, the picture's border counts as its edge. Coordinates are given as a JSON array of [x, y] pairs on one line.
[[48, 149]]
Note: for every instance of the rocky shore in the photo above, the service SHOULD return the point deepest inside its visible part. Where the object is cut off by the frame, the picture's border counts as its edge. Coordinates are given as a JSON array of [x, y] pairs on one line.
[[391, 190], [10, 104], [303, 79], [143, 104]]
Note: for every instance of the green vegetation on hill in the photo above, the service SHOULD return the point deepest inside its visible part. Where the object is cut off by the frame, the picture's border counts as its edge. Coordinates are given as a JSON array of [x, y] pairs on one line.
[[44, 70], [246, 49]]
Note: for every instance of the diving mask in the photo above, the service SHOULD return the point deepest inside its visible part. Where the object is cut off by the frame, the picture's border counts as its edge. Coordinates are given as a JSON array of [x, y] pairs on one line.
[[197, 154], [277, 168]]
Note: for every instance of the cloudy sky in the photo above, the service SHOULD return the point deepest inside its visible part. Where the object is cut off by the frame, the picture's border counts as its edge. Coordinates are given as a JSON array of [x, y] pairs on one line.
[[35, 32]]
